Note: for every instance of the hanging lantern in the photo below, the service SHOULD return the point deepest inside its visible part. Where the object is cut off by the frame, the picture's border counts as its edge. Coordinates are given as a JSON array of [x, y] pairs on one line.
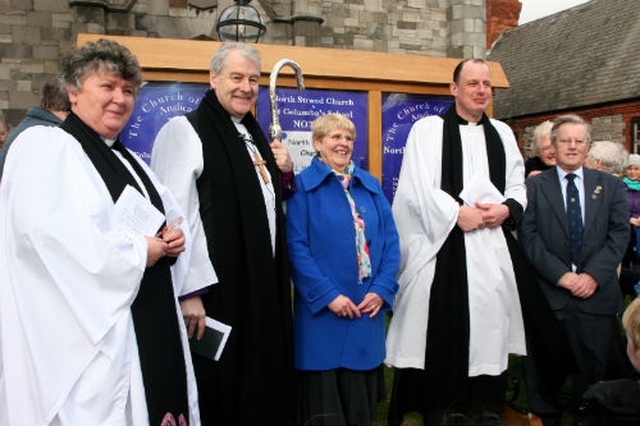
[[240, 22]]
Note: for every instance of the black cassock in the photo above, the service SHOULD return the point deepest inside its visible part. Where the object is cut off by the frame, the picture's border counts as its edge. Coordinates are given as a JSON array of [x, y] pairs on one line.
[[253, 383]]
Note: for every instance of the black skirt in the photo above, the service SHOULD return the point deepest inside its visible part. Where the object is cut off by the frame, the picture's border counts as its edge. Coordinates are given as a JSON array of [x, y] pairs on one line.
[[340, 397]]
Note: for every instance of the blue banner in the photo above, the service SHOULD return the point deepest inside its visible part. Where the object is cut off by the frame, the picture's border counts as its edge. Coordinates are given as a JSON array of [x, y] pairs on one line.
[[160, 101], [399, 112], [155, 105], [299, 109]]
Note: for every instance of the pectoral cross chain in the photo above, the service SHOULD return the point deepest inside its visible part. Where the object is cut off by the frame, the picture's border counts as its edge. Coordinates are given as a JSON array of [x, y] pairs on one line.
[[260, 165]]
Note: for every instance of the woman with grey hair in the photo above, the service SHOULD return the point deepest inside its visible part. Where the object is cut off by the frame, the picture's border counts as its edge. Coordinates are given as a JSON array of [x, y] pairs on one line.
[[91, 261], [545, 155]]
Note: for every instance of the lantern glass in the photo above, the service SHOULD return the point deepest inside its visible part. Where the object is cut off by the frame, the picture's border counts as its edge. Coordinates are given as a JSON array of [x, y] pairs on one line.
[[240, 22]]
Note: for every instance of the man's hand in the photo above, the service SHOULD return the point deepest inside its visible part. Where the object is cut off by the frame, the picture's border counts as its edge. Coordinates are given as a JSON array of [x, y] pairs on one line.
[[281, 154], [493, 215], [569, 281], [193, 313], [585, 286], [469, 218]]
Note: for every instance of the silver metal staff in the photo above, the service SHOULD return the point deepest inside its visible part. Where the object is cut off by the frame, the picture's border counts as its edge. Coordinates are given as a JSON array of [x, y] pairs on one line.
[[275, 131]]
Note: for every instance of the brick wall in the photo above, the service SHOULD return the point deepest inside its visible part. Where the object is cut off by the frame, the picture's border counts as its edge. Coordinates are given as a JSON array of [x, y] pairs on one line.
[[501, 15]]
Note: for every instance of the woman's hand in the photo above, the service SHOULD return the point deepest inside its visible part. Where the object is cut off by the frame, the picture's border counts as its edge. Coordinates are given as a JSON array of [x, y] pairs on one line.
[[342, 306], [193, 313], [174, 237], [371, 303], [156, 249]]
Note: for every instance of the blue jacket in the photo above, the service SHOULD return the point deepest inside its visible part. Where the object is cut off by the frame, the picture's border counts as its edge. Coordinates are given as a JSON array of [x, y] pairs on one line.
[[323, 260]]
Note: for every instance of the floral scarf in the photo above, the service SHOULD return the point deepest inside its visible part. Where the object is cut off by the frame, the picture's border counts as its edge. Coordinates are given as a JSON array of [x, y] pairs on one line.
[[362, 249]]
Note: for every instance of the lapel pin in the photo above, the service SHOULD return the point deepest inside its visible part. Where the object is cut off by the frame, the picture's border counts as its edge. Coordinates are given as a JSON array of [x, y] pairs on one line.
[[596, 192]]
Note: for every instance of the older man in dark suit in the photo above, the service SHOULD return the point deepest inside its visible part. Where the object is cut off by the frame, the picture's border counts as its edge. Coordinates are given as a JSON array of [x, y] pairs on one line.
[[574, 232]]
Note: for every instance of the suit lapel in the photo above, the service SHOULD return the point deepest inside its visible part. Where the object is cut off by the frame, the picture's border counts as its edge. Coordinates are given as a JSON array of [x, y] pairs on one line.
[[552, 191], [592, 197]]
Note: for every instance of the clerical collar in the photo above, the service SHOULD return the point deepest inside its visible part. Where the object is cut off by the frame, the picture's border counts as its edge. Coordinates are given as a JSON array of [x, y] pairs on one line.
[[108, 141], [461, 121]]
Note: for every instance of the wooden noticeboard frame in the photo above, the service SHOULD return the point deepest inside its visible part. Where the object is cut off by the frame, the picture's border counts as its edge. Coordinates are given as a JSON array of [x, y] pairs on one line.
[[372, 72]]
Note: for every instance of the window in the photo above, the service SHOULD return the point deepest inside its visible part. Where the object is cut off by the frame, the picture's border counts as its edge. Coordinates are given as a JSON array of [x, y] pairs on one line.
[[635, 135]]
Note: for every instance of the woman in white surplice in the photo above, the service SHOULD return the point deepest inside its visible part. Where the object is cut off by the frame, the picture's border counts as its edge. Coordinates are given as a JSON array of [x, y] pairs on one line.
[[90, 325]]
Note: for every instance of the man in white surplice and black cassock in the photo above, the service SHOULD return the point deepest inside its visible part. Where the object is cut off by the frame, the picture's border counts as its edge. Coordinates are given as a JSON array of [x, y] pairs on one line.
[[457, 315], [226, 176]]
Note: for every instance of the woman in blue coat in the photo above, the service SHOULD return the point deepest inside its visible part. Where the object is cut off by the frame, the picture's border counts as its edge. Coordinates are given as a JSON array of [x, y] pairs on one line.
[[344, 255]]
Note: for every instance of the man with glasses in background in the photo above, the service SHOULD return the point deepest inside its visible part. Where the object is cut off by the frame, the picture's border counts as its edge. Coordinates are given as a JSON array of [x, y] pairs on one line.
[[574, 232]]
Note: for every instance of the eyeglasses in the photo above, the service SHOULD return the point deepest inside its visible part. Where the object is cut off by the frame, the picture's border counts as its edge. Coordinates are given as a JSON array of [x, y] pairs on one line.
[[567, 141]]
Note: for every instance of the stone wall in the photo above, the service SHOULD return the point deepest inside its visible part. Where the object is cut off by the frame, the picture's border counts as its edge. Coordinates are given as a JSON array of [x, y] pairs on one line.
[[608, 122], [603, 128], [424, 27], [608, 128], [409, 26], [527, 137], [35, 33]]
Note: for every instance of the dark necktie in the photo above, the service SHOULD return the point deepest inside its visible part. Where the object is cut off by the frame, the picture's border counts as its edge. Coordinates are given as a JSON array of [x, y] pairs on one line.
[[574, 218]]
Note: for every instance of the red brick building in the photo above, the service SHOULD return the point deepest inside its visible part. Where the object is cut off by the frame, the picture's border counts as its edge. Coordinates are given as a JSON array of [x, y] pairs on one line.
[[501, 15]]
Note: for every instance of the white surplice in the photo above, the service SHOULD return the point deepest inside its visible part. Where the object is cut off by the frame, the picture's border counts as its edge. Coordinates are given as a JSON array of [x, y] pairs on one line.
[[180, 173], [68, 280], [425, 215]]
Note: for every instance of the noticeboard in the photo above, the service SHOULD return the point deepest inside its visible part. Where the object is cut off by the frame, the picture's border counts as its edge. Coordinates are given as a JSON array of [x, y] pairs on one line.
[[383, 93], [299, 109], [399, 112], [155, 105]]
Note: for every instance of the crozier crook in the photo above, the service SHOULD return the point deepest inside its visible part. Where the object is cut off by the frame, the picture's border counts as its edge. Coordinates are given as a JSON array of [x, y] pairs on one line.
[[275, 131]]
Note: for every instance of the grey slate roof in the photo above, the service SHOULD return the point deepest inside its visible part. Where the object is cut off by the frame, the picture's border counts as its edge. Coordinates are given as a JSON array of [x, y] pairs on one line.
[[586, 55]]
